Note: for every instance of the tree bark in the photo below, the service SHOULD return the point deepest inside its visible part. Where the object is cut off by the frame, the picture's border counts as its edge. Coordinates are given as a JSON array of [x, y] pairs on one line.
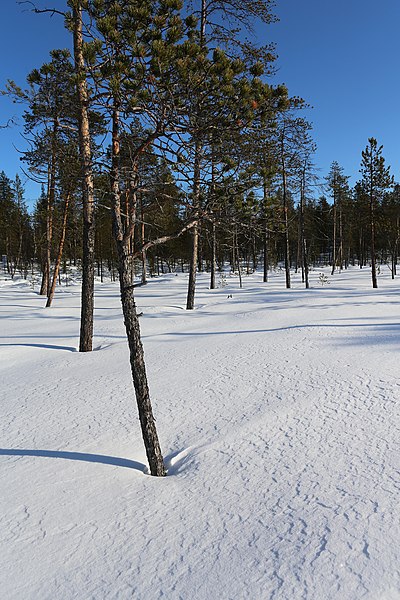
[[373, 257], [334, 235], [195, 229], [286, 224], [372, 225], [193, 268], [87, 298], [304, 261], [138, 369], [340, 256], [213, 256], [236, 253], [265, 234], [51, 191], [143, 256], [60, 251]]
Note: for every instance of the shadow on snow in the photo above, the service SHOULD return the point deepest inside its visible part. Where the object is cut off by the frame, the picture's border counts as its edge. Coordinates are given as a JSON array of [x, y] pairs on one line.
[[80, 456]]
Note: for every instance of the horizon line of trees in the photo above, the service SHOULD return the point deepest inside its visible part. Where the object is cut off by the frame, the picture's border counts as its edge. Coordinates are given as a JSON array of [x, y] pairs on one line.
[[246, 235]]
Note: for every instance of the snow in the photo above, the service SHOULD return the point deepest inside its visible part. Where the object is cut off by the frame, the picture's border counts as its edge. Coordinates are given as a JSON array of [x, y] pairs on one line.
[[278, 414]]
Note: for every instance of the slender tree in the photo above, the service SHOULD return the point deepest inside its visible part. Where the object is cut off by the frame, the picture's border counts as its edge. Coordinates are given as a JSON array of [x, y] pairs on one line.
[[338, 185], [75, 23], [376, 179]]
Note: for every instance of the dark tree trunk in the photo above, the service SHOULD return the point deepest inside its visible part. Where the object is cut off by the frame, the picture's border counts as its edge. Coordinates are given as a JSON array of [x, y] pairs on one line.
[[213, 256], [266, 256], [265, 233], [195, 230], [45, 286], [237, 256], [299, 251], [138, 369], [143, 255], [304, 261], [193, 269], [373, 257], [334, 235], [286, 225], [60, 252]]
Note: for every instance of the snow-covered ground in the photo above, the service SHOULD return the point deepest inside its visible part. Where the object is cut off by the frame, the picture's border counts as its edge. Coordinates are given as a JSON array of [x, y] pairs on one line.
[[278, 413]]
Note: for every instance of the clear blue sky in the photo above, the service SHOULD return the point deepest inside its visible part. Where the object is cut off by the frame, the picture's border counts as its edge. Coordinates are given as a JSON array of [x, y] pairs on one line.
[[25, 43], [342, 57]]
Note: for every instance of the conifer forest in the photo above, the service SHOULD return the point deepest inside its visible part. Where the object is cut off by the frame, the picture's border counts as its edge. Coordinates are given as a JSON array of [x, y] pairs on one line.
[[162, 134]]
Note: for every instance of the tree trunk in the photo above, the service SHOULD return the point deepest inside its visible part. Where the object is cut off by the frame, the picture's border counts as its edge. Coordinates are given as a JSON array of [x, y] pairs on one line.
[[193, 268], [143, 256], [213, 256], [87, 298], [138, 369], [236, 254], [266, 257], [334, 235], [265, 233], [195, 229], [44, 288], [373, 257], [340, 256], [396, 247], [299, 260], [60, 251], [372, 225], [286, 224], [304, 261]]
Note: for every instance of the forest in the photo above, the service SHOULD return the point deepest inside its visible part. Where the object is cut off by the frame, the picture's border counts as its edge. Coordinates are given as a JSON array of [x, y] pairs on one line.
[[163, 136]]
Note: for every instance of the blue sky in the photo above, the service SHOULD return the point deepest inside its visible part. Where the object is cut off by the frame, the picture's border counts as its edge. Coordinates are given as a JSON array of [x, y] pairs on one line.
[[24, 45], [342, 57]]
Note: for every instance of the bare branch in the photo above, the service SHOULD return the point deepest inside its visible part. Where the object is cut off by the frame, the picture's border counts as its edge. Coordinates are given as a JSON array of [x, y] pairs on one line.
[[35, 9], [165, 238]]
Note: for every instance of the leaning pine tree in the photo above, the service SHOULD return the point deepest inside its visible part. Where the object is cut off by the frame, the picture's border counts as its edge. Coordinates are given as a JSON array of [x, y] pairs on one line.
[[134, 48]]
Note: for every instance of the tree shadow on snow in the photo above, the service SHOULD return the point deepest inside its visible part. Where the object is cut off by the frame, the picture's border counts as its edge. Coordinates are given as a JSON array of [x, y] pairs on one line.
[[80, 456], [378, 327], [48, 346]]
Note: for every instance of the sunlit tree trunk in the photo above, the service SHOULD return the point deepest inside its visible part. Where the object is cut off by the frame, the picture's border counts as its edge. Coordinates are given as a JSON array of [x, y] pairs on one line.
[[87, 300]]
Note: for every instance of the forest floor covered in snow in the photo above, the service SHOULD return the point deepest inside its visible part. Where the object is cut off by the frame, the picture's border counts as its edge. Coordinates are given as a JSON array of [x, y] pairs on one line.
[[278, 413]]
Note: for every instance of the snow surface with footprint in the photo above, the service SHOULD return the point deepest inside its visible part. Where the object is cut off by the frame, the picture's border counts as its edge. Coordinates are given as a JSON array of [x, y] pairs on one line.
[[278, 413]]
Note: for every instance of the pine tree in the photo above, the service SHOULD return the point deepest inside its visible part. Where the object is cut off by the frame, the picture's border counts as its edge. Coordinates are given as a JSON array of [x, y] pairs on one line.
[[376, 179], [338, 186], [49, 99], [75, 24]]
